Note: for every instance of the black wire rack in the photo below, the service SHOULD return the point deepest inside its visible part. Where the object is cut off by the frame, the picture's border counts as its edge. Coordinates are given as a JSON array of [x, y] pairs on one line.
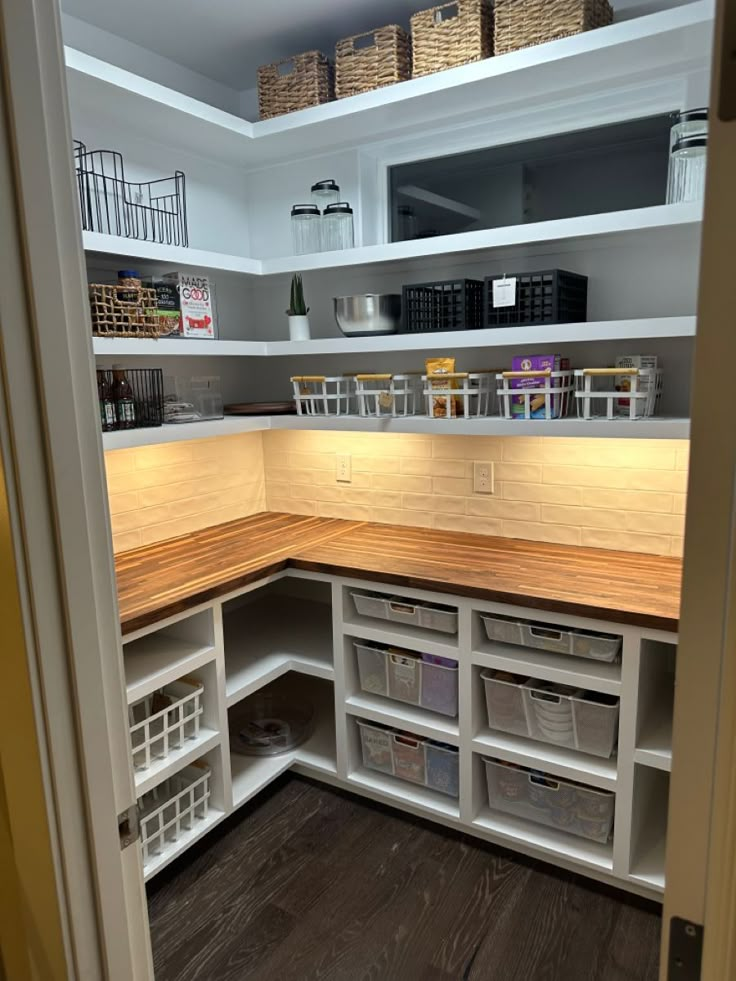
[[154, 211], [147, 386]]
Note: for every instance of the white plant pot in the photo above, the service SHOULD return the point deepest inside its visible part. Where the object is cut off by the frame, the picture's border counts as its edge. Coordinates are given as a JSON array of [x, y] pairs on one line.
[[299, 328]]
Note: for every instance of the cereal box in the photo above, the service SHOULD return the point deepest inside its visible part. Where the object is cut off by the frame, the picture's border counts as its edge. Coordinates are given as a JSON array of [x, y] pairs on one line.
[[623, 382], [197, 318], [536, 362]]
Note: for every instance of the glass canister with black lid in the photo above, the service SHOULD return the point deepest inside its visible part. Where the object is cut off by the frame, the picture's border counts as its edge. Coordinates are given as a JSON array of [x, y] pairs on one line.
[[325, 193], [337, 227], [306, 224], [686, 179]]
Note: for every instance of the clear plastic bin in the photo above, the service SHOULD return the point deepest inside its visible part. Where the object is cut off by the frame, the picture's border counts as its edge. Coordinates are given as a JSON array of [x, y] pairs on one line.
[[418, 679], [431, 616], [550, 713], [377, 746], [409, 758], [561, 804], [502, 630], [443, 768]]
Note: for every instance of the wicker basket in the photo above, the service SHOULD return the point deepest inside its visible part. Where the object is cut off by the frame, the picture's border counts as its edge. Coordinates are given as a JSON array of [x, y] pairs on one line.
[[451, 34], [523, 23], [115, 315], [371, 60], [295, 83]]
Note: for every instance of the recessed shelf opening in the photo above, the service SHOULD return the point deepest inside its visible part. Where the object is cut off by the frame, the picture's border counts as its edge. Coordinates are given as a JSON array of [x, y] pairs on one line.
[[656, 703], [649, 825]]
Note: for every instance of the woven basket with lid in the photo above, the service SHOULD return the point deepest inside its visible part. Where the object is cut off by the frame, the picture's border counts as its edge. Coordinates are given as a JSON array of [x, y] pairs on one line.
[[451, 34], [371, 60], [295, 83], [523, 23]]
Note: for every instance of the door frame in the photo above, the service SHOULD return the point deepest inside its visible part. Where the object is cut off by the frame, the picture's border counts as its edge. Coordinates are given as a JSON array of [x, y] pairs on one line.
[[53, 460]]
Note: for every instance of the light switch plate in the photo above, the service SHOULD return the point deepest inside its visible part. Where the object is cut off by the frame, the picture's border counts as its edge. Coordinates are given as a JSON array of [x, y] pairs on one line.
[[343, 468], [482, 478]]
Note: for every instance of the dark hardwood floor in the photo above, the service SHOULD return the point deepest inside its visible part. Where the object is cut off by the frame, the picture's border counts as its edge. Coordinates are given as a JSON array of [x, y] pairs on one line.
[[308, 883]]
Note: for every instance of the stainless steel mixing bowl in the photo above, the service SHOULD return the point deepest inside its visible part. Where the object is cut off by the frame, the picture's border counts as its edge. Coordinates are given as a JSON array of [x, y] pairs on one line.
[[368, 313]]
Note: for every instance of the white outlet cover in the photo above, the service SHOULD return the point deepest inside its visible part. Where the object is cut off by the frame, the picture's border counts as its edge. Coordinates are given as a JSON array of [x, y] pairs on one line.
[[343, 468], [483, 478]]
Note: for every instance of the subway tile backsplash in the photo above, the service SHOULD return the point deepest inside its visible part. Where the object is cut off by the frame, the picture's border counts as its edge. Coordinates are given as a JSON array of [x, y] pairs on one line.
[[620, 494]]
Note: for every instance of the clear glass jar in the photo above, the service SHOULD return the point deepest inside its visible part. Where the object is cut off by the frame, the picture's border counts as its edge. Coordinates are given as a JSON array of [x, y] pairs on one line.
[[325, 193], [337, 227], [686, 179], [690, 122], [306, 223]]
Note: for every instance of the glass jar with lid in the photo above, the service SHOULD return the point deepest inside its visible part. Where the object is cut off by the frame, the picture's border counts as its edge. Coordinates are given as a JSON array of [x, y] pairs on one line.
[[306, 223], [689, 122], [337, 227], [686, 178], [325, 193]]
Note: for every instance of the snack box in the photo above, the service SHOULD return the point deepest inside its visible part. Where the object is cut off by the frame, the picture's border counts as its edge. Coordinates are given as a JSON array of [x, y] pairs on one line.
[[623, 382], [536, 362], [168, 312], [191, 307]]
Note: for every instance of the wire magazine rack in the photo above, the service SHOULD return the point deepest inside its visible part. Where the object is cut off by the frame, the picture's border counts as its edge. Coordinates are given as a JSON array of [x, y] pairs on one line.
[[153, 211]]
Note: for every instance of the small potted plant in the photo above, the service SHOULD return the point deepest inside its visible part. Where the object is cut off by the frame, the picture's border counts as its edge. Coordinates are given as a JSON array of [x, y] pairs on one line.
[[297, 312]]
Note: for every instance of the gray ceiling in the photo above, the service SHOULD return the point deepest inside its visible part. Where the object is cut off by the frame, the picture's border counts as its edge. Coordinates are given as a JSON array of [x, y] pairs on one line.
[[226, 40]]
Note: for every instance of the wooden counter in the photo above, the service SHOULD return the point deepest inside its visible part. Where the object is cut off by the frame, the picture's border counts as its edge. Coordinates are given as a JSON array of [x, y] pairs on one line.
[[625, 587]]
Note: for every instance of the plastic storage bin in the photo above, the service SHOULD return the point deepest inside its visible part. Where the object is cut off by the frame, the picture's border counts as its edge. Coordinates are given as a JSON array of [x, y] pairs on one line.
[[550, 297], [164, 721], [455, 304], [419, 679], [173, 807], [376, 743], [443, 772], [546, 637], [431, 616], [550, 713], [560, 804], [411, 758]]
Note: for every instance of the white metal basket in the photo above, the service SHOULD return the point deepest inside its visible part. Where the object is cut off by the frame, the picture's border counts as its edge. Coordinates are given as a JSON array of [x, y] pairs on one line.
[[459, 394], [550, 400], [173, 807], [597, 397], [389, 395], [321, 395], [164, 720]]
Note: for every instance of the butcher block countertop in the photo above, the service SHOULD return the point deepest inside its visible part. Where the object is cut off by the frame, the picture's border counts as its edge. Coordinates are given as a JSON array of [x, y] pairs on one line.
[[161, 580]]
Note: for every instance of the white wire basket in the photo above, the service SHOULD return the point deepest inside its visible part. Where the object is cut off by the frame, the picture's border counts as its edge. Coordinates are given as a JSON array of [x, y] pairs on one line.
[[173, 807], [164, 721], [322, 395], [389, 395], [549, 398], [598, 397], [459, 394]]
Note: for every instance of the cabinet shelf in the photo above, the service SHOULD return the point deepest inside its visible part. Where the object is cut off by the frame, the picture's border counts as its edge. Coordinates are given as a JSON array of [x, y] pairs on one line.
[[176, 760], [403, 793], [403, 716], [578, 672]]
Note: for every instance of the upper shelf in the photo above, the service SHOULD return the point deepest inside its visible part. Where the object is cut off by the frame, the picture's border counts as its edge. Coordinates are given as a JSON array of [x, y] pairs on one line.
[[623, 226], [671, 42]]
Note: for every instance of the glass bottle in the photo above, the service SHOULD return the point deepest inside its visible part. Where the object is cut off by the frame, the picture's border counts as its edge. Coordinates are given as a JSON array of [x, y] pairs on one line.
[[325, 193], [337, 227], [305, 229], [122, 396], [686, 179], [107, 405]]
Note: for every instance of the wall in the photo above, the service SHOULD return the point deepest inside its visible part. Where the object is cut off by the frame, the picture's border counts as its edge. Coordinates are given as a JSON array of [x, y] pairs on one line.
[[619, 494], [159, 492]]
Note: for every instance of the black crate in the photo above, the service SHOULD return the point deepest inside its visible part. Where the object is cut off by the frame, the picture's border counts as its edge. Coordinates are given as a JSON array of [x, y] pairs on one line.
[[147, 385], [455, 304], [550, 297]]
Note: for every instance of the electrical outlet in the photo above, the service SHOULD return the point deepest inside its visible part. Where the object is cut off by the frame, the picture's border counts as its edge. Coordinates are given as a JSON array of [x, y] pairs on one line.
[[343, 468], [482, 478]]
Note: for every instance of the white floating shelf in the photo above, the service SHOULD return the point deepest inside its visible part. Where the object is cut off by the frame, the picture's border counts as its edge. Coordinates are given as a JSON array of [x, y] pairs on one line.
[[392, 713], [668, 44], [659, 427], [560, 762], [549, 334], [170, 255]]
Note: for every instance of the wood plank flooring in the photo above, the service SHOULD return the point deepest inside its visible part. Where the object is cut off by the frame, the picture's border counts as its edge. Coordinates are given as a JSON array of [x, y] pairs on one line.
[[309, 883]]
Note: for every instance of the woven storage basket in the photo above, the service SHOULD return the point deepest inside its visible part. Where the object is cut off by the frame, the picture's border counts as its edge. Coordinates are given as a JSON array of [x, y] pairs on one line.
[[523, 23], [295, 83], [115, 315], [451, 34], [371, 60]]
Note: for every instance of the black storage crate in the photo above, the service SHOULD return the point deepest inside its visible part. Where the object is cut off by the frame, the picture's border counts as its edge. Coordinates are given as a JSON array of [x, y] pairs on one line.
[[147, 385], [550, 297], [454, 304]]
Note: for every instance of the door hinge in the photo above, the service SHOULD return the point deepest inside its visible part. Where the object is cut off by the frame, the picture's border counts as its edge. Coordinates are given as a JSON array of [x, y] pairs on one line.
[[686, 950], [128, 826]]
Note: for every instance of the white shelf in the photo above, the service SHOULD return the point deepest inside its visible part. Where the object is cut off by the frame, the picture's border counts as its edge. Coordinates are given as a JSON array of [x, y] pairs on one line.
[[392, 713], [560, 762], [133, 248], [579, 672], [229, 426], [157, 659], [515, 831], [663, 45], [647, 868], [606, 330], [388, 788], [415, 638], [266, 639], [177, 759], [184, 841], [654, 745]]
